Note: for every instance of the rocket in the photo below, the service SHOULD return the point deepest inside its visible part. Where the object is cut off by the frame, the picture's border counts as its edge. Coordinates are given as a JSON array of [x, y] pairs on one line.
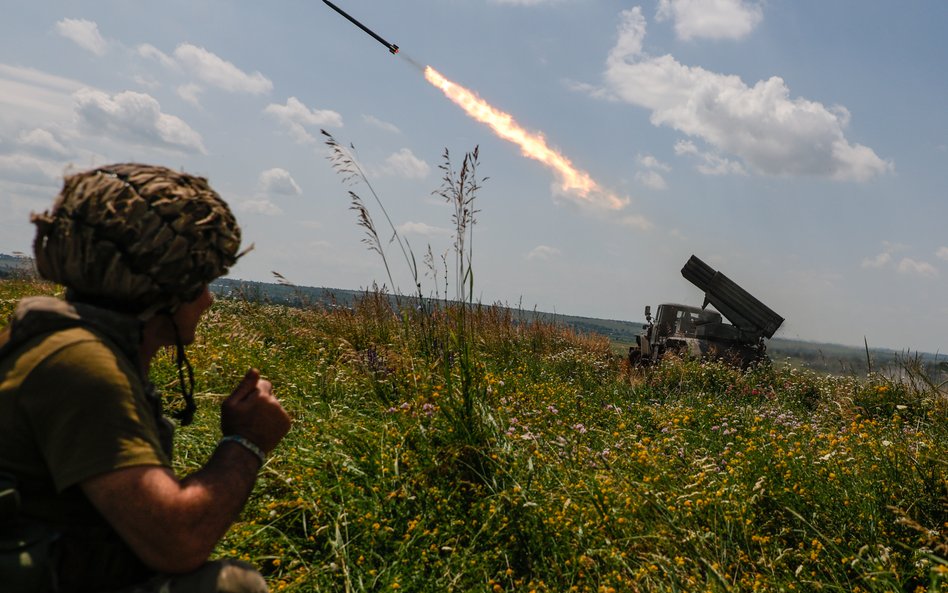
[[391, 47]]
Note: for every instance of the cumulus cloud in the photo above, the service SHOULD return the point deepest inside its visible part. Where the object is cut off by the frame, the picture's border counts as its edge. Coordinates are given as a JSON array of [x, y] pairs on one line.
[[215, 71], [190, 93], [382, 125], [651, 177], [136, 118], [83, 33], [405, 164], [542, 253], [709, 163], [942, 253], [422, 229], [40, 141], [878, 261], [650, 162], [278, 181], [711, 19], [206, 69], [146, 50], [884, 258], [296, 117], [917, 268], [762, 125]]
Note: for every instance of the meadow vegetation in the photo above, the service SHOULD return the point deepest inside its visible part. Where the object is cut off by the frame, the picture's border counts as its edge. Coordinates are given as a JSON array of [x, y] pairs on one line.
[[529, 458], [452, 447]]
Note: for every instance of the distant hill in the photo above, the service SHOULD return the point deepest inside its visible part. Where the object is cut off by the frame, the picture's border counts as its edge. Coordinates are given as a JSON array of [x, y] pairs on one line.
[[832, 358], [15, 265]]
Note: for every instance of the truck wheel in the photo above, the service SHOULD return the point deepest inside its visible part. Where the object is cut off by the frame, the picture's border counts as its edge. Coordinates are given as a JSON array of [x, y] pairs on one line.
[[635, 357]]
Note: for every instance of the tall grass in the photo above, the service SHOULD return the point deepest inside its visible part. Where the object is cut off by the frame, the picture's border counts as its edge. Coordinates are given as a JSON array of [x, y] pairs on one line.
[[692, 477], [449, 446]]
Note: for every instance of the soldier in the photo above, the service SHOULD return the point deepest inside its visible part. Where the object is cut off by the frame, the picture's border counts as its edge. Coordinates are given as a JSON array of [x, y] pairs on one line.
[[90, 500]]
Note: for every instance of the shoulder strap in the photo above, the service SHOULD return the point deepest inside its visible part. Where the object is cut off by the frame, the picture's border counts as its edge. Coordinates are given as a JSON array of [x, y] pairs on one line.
[[9, 497]]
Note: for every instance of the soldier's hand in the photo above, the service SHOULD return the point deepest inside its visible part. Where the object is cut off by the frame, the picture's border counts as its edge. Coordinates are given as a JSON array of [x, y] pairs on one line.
[[252, 412]]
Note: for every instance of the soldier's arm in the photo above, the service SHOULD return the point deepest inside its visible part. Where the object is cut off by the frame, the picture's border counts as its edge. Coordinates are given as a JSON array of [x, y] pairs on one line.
[[173, 525]]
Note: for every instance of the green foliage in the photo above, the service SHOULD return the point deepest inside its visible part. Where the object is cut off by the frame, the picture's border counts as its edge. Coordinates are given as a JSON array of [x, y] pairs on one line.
[[459, 447], [558, 467]]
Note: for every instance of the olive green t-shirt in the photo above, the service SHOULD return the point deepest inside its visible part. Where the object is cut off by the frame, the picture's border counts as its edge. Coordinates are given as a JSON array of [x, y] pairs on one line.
[[72, 407]]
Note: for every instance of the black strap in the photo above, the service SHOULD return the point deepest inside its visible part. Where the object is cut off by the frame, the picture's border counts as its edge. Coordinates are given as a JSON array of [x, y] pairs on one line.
[[9, 497]]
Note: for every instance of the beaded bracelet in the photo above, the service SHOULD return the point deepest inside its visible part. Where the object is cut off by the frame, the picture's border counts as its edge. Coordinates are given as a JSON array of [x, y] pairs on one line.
[[236, 438]]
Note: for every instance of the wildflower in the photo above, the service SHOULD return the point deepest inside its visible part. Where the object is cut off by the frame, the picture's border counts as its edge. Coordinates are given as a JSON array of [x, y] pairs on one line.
[[579, 428]]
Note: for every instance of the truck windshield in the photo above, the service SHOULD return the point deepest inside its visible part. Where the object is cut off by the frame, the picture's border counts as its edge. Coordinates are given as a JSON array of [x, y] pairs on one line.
[[685, 322]]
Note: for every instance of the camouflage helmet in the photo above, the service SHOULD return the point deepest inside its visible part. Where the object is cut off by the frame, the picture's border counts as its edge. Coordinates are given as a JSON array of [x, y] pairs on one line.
[[135, 237]]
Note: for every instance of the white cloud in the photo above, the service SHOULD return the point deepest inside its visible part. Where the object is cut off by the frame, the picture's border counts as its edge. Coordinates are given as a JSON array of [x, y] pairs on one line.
[[711, 19], [83, 33], [136, 118], [651, 179], [683, 147], [382, 125], [636, 221], [405, 164], [918, 268], [295, 117], [770, 132], [422, 229], [29, 169], [650, 162], [942, 253], [146, 81], [206, 69], [151, 52], [31, 95], [710, 163], [542, 253], [885, 258], [191, 93], [262, 206], [214, 71], [42, 142], [878, 261], [278, 181]]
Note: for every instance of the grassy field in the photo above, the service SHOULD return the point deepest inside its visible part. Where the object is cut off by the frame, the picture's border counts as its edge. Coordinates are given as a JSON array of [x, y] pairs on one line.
[[461, 448], [454, 449]]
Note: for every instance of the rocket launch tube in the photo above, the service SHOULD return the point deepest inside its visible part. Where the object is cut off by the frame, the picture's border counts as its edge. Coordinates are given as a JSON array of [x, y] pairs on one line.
[[391, 47]]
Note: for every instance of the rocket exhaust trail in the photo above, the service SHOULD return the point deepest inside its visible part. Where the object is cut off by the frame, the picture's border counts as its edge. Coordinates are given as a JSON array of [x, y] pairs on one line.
[[391, 47], [573, 181]]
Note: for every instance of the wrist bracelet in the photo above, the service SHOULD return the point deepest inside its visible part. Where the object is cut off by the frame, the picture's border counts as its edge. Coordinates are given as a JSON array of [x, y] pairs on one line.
[[245, 443]]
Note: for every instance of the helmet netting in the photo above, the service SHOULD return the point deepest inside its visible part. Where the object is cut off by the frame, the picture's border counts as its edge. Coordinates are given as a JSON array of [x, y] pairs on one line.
[[141, 237]]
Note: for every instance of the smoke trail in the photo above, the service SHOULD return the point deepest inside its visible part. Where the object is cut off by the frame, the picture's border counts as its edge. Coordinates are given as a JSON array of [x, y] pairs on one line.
[[573, 181]]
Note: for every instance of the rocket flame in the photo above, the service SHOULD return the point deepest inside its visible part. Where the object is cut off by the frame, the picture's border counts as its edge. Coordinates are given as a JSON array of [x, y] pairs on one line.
[[532, 146]]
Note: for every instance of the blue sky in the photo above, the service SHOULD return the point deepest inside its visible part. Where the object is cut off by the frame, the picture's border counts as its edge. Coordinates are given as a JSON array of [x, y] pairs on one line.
[[799, 147]]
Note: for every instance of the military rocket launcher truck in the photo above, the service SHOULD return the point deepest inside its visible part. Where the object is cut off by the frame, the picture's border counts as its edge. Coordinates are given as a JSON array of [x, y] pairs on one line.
[[701, 332]]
